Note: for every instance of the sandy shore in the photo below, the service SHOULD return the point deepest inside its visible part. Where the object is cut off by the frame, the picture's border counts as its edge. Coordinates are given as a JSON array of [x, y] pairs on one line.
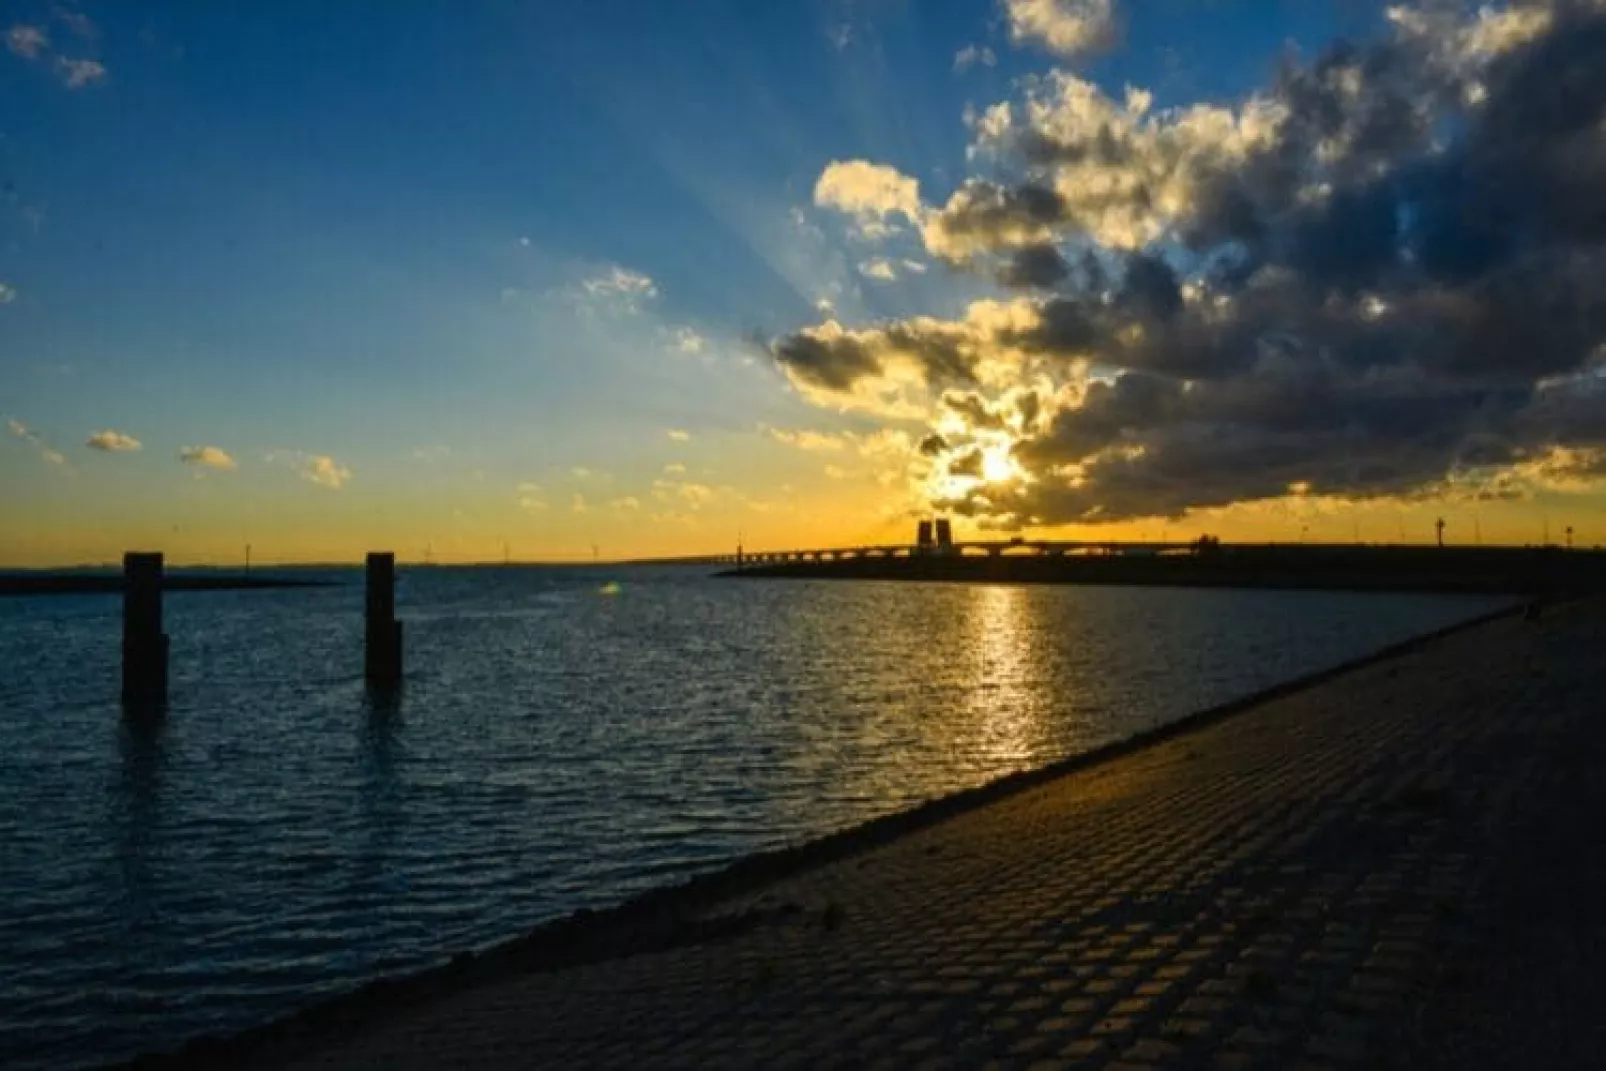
[[1318, 878]]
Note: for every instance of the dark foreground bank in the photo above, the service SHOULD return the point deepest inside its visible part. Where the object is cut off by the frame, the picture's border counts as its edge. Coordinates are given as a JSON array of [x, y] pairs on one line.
[[1549, 571], [112, 583]]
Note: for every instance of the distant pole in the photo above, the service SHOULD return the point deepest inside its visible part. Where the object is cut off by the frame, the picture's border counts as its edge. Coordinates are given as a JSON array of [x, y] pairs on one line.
[[382, 651], [248, 559], [1569, 537], [1439, 524], [144, 643]]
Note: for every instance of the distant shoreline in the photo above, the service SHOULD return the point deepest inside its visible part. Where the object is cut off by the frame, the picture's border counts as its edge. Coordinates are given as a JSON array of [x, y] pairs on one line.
[[112, 583]]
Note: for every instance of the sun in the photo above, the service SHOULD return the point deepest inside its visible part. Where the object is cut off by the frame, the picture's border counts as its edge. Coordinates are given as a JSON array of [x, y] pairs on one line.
[[997, 466]]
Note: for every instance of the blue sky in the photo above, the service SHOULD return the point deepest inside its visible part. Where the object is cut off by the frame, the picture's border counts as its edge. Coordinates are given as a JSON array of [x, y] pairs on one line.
[[509, 239]]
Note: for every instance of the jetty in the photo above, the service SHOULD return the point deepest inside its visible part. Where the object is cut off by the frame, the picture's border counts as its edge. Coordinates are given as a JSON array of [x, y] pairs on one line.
[[1386, 864]]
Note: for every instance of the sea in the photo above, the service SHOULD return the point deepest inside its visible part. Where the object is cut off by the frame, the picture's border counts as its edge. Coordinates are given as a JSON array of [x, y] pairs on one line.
[[565, 738]]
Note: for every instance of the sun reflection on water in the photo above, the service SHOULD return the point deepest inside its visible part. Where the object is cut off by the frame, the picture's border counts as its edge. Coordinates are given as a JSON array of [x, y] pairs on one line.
[[1002, 707]]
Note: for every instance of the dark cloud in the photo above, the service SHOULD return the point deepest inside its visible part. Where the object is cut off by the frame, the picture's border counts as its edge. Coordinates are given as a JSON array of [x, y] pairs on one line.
[[1040, 266], [832, 359], [1397, 284], [832, 363], [1149, 290], [987, 215]]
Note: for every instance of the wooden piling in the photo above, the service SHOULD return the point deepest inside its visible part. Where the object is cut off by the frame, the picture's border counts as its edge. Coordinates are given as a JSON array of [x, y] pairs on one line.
[[144, 642], [382, 662]]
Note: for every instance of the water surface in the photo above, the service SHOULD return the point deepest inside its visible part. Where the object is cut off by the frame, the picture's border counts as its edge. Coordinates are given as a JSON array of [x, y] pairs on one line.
[[278, 836]]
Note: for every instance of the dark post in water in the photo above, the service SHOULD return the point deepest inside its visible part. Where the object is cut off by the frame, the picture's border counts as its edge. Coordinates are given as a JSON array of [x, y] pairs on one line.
[[144, 643], [383, 650]]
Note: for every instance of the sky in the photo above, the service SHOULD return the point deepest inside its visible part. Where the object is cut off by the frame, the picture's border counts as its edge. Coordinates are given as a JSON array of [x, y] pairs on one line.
[[553, 281]]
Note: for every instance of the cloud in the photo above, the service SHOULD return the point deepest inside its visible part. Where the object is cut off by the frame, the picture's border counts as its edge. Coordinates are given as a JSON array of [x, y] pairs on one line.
[[835, 472], [210, 457], [874, 194], [112, 441], [808, 440], [692, 495], [33, 43], [8, 294], [28, 435], [614, 289], [78, 73], [972, 56], [626, 504], [879, 268], [323, 470], [529, 497], [878, 367], [676, 435], [29, 42], [686, 341], [674, 468], [577, 504], [1377, 276], [1069, 28], [617, 280]]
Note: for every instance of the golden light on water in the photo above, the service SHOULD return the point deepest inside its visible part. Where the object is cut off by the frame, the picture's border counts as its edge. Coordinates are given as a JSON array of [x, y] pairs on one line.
[[1003, 649]]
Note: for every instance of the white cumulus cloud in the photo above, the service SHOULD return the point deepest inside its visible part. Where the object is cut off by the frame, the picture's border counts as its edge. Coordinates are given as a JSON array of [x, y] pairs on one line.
[[1069, 28], [325, 471], [112, 441], [872, 193], [211, 457]]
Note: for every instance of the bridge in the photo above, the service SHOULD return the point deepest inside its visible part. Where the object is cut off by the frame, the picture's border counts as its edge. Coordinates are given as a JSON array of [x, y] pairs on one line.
[[994, 548]]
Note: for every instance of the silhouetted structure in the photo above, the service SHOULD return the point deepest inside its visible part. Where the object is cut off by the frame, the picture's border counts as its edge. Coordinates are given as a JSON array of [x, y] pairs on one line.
[[382, 655], [144, 642], [923, 537], [945, 536]]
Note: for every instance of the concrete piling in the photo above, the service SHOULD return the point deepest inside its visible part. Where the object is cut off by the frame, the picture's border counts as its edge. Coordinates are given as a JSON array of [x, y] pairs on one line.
[[382, 661], [144, 642]]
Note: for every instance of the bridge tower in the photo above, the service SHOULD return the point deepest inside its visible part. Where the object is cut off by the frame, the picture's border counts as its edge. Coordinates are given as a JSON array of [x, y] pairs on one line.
[[945, 536], [923, 543]]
